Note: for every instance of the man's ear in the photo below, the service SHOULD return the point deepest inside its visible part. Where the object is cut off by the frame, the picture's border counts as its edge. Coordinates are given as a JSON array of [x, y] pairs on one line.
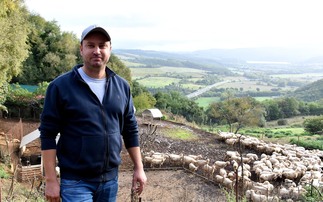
[[81, 50]]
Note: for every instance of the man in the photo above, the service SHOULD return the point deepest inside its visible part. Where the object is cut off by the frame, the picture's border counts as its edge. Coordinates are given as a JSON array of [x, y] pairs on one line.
[[91, 108]]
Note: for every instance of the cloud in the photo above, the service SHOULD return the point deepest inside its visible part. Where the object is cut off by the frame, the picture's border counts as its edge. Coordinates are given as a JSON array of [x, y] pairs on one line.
[[191, 25]]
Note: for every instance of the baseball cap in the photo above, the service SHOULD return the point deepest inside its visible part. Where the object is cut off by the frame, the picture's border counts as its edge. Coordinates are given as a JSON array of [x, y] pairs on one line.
[[94, 28]]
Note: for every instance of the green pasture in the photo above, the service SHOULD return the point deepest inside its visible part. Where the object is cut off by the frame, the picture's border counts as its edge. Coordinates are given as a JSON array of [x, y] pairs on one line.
[[157, 82], [192, 86], [308, 76], [132, 64], [179, 133], [260, 99], [205, 101], [251, 86], [172, 71]]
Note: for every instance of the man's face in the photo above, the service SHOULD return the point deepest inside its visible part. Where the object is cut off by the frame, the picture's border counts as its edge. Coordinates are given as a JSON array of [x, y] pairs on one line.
[[95, 50]]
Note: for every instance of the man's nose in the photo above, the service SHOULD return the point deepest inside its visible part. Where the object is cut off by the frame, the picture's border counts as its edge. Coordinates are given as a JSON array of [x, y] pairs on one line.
[[96, 50]]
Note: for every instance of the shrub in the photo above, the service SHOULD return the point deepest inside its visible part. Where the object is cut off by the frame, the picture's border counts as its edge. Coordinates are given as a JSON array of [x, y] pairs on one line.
[[3, 173], [282, 122], [269, 135], [314, 125]]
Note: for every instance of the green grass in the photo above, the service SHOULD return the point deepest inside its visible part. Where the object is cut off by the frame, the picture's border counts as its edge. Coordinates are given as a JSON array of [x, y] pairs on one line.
[[295, 131], [3, 173], [157, 82], [192, 86], [179, 71], [260, 99], [205, 101], [178, 133]]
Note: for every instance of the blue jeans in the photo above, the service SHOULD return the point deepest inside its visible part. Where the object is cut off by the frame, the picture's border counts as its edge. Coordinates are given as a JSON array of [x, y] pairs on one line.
[[78, 190]]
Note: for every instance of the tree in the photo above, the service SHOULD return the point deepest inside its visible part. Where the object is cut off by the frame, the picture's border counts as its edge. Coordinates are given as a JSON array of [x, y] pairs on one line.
[[52, 52], [120, 68], [272, 110], [144, 101], [289, 107], [13, 46], [314, 125], [237, 112], [178, 104]]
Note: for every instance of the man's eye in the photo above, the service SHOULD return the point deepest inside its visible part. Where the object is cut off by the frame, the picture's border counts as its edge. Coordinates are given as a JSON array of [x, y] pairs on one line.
[[90, 46]]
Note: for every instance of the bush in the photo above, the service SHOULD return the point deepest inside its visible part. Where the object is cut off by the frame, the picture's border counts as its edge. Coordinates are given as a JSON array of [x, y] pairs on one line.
[[282, 122], [269, 135], [314, 125], [3, 173], [24, 104], [307, 144]]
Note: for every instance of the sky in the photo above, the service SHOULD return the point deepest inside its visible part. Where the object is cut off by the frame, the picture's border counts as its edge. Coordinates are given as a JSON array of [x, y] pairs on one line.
[[189, 25]]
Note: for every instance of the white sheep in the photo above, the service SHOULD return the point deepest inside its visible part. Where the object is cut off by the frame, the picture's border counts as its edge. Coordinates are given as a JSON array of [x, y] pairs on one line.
[[284, 193], [187, 160], [196, 157], [157, 161], [290, 174], [252, 156], [289, 183], [147, 160], [221, 164], [219, 179], [175, 158], [202, 162], [230, 154], [267, 176], [231, 141], [235, 165], [223, 172], [192, 167], [208, 170], [260, 197], [228, 183]]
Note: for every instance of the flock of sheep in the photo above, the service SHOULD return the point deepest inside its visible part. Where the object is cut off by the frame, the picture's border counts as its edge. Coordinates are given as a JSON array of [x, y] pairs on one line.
[[278, 172]]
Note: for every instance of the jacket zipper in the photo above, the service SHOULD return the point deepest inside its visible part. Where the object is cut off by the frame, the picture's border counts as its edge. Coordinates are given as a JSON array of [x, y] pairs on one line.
[[106, 153]]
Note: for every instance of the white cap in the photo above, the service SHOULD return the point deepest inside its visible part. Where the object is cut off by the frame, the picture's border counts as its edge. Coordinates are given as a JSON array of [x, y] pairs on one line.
[[94, 28]]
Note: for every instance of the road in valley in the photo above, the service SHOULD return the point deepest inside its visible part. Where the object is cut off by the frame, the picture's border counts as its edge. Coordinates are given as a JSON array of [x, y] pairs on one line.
[[207, 88]]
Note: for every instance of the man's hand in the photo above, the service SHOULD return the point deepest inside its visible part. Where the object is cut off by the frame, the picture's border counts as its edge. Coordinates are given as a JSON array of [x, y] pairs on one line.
[[52, 190], [139, 180]]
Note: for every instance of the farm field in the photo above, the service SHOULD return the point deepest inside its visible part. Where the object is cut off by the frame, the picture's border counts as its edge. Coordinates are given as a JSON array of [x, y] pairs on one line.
[[157, 82], [251, 85], [172, 71], [305, 77], [186, 78], [205, 101]]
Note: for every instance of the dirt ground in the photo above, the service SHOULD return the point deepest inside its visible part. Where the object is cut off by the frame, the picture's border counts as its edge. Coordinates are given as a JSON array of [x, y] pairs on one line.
[[167, 183]]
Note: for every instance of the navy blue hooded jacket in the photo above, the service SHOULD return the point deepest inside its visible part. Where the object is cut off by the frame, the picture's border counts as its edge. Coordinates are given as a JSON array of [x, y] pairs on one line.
[[90, 132]]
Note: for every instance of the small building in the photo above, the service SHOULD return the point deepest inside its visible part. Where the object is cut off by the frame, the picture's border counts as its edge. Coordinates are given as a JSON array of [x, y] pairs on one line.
[[149, 115], [31, 165], [30, 158]]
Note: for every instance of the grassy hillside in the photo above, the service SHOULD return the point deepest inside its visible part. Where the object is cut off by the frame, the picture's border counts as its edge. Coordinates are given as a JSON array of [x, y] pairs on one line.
[[310, 92]]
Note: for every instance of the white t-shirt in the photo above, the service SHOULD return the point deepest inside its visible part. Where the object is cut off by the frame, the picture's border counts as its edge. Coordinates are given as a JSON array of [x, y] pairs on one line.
[[96, 85]]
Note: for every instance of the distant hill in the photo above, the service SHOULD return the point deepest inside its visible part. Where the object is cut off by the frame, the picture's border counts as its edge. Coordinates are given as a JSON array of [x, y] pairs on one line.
[[262, 54], [221, 56], [310, 92], [154, 59]]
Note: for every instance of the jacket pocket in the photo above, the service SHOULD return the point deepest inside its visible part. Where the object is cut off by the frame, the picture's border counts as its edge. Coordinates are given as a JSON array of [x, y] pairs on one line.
[[115, 147], [82, 153]]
